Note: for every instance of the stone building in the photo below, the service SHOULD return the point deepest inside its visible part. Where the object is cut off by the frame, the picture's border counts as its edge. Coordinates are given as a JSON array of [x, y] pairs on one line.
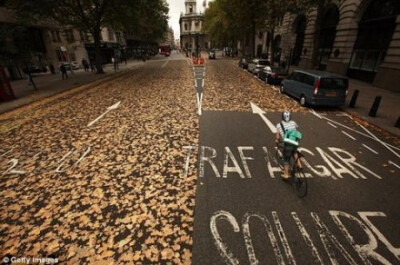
[[47, 40], [192, 37], [357, 38]]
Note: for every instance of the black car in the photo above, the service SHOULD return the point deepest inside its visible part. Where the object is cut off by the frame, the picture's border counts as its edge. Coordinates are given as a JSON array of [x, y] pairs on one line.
[[272, 74], [243, 63]]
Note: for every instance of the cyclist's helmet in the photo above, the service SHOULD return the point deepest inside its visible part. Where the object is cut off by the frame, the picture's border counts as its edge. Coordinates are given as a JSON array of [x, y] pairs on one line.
[[286, 116]]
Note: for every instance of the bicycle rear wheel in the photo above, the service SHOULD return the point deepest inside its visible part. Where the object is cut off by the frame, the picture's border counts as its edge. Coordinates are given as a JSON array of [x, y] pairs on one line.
[[300, 183]]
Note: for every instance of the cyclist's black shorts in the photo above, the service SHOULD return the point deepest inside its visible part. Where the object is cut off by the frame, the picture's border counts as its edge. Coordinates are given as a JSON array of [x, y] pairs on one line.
[[288, 151]]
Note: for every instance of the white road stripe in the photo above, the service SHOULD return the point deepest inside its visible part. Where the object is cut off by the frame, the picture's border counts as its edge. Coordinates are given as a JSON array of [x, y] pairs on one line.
[[316, 114], [390, 162], [166, 62], [377, 139], [351, 137], [282, 236], [363, 134], [332, 125], [307, 238], [370, 149], [202, 83]]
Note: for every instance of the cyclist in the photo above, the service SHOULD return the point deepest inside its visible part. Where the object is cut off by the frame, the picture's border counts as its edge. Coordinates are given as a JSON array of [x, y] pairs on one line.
[[288, 134]]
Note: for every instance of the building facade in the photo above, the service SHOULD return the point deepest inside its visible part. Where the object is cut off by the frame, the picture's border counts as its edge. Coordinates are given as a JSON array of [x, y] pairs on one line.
[[192, 37], [46, 42], [357, 38]]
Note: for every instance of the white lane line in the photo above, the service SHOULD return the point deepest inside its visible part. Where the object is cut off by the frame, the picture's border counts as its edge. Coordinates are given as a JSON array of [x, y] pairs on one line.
[[383, 143], [390, 162], [314, 113], [166, 62], [363, 134], [202, 83], [7, 152], [332, 125], [199, 101], [204, 74], [351, 137], [370, 149], [195, 83]]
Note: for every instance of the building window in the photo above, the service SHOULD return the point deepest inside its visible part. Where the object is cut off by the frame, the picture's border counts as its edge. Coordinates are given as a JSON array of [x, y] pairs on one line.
[[367, 60], [111, 35], [55, 36], [190, 9], [119, 37], [59, 55], [186, 26], [69, 35]]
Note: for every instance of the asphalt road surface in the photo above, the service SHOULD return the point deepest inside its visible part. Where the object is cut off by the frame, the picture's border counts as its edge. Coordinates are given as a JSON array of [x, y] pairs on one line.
[[245, 214]]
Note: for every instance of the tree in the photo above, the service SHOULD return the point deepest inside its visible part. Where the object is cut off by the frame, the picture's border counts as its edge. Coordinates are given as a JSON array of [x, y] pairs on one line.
[[92, 15]]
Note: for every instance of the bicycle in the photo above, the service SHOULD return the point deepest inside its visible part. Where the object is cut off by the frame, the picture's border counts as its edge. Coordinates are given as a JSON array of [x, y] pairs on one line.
[[297, 176]]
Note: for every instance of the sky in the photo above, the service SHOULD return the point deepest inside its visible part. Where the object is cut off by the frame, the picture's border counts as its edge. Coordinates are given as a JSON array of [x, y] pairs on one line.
[[175, 9]]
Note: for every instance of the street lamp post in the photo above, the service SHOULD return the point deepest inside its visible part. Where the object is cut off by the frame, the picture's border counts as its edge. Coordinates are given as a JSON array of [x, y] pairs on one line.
[[197, 44]]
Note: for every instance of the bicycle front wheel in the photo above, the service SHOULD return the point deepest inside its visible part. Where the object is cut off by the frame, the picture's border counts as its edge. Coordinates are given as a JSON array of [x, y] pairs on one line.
[[300, 184]]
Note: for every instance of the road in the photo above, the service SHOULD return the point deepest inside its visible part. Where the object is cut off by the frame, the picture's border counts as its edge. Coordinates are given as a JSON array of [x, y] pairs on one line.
[[245, 214], [167, 159]]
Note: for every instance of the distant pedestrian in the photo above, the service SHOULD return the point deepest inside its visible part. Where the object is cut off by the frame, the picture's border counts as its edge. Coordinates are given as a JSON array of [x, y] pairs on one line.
[[63, 71], [92, 68], [85, 65]]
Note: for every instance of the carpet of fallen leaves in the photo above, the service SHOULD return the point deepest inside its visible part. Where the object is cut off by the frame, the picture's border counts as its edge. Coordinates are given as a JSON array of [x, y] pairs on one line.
[[127, 201], [227, 87]]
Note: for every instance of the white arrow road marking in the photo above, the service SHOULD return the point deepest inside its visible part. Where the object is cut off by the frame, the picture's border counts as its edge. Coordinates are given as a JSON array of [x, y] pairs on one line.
[[199, 102], [113, 107], [257, 110]]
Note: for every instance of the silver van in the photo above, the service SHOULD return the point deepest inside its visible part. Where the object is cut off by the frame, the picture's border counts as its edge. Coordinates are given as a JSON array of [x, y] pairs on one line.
[[316, 87]]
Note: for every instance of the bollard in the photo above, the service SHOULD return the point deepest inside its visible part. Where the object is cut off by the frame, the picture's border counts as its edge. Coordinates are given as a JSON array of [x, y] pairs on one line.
[[354, 98], [397, 123], [375, 106]]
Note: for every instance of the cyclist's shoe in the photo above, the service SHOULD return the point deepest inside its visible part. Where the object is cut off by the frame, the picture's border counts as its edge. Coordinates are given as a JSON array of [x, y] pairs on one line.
[[285, 177]]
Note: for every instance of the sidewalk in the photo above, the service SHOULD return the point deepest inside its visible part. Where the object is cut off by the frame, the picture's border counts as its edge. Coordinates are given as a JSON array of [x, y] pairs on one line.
[[389, 109], [51, 84]]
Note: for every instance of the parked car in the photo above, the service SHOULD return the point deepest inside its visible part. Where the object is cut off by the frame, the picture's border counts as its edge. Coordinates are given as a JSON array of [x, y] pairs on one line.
[[243, 63], [211, 55], [256, 65], [75, 66], [316, 87], [272, 75]]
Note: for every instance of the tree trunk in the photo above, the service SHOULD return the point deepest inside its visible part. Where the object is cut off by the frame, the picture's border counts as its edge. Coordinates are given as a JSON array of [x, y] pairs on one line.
[[97, 49]]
